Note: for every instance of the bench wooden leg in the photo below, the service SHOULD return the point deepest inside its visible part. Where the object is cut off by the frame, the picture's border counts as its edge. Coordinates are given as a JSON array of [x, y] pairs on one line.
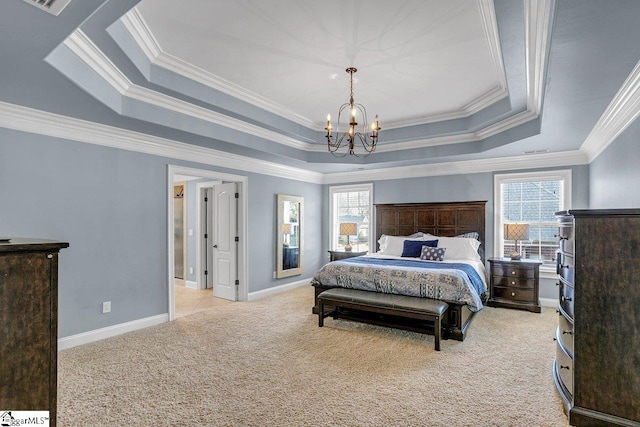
[[320, 314], [437, 328]]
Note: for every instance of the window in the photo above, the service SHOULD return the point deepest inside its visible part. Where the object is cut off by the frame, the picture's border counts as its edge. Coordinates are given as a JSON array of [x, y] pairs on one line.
[[351, 204], [531, 198]]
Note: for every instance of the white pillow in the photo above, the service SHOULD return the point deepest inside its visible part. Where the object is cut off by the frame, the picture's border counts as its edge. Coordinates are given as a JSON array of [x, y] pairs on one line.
[[460, 247], [394, 245]]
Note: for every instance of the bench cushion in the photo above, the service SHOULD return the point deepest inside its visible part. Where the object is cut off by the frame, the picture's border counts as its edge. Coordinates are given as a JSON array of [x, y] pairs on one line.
[[391, 301]]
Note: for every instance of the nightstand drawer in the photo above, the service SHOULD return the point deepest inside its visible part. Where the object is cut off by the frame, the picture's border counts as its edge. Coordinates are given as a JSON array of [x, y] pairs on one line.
[[515, 271], [514, 294], [514, 282]]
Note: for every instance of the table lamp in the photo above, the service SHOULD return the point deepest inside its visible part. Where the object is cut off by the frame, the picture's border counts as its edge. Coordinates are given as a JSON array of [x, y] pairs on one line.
[[516, 232], [348, 229]]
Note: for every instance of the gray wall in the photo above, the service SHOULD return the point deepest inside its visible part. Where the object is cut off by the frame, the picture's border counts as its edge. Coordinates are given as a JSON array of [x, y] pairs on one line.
[[615, 174], [111, 206]]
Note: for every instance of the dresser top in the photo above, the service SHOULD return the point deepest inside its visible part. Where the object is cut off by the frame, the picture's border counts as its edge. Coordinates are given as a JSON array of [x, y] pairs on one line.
[[22, 244]]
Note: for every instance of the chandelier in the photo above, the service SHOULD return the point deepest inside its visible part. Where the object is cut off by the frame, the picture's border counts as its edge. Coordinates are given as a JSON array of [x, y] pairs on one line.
[[366, 137]]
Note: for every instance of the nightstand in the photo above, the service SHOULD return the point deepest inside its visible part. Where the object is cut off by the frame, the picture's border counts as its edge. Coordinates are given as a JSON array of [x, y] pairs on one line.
[[338, 255], [514, 283]]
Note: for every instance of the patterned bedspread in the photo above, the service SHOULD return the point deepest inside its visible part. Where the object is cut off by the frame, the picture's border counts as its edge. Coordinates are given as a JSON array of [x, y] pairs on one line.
[[455, 282]]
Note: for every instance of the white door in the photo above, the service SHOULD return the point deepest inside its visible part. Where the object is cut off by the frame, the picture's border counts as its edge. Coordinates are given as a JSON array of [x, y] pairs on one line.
[[225, 251]]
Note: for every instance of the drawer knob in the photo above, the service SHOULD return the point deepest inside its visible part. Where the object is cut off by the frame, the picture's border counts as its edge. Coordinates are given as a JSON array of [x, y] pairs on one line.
[[563, 298], [513, 272], [513, 294], [564, 367], [558, 284], [564, 266], [562, 237], [567, 332]]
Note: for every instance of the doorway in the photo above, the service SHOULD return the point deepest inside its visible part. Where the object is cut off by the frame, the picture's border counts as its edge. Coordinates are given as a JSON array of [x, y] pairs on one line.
[[234, 278]]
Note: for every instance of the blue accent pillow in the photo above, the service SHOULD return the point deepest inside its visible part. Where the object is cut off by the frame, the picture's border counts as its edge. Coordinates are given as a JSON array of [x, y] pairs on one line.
[[432, 254], [413, 248]]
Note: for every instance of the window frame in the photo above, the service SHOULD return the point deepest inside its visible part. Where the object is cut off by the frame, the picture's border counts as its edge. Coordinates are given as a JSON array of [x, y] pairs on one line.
[[563, 175], [333, 225]]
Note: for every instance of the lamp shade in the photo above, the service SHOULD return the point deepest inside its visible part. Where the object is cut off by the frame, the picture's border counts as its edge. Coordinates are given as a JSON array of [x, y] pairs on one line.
[[348, 229], [286, 228], [516, 231]]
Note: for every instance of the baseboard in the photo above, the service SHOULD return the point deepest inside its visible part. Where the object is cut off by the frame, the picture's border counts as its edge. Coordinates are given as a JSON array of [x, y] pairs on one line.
[[190, 284], [549, 302], [110, 331], [277, 289]]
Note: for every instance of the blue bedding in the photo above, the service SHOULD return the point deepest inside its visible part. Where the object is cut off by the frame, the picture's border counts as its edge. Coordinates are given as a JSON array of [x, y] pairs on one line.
[[453, 282]]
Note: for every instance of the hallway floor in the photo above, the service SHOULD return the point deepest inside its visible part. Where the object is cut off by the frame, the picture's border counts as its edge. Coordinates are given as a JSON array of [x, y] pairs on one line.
[[189, 301]]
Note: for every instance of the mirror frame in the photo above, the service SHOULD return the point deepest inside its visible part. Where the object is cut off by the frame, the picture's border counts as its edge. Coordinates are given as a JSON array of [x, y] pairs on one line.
[[280, 271]]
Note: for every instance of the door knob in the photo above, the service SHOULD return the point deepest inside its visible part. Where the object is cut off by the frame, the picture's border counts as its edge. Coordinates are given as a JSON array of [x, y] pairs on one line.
[[215, 246]]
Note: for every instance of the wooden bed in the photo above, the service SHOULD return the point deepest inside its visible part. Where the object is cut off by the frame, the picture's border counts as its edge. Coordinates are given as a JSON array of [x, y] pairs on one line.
[[440, 219]]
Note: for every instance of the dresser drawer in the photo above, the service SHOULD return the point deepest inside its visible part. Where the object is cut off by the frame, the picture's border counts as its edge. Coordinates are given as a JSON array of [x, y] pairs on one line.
[[514, 282], [565, 296], [564, 366], [513, 294], [564, 334], [515, 271], [566, 239], [565, 266]]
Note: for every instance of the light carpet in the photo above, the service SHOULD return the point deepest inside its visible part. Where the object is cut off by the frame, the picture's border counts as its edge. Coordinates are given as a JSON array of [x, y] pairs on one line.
[[267, 363]]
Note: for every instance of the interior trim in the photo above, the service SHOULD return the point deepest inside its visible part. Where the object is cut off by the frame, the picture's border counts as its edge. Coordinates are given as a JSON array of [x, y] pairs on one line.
[[40, 122], [110, 331], [139, 31], [623, 109]]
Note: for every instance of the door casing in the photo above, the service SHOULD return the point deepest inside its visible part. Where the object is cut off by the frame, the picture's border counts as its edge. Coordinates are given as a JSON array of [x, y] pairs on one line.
[[242, 259]]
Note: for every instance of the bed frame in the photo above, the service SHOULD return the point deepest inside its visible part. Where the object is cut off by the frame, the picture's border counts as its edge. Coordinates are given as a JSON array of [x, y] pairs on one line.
[[440, 219]]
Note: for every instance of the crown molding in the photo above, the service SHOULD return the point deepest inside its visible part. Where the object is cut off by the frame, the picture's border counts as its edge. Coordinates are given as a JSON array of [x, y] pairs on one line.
[[546, 160], [490, 23], [485, 100], [40, 122], [140, 32], [539, 16], [491, 130], [138, 29], [87, 51], [623, 109]]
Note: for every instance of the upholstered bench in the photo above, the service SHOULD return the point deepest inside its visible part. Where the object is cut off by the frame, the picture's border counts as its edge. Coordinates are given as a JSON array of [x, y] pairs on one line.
[[388, 304]]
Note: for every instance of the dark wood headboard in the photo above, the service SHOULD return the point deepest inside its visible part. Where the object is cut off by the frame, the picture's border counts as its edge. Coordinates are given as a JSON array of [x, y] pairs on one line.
[[439, 219]]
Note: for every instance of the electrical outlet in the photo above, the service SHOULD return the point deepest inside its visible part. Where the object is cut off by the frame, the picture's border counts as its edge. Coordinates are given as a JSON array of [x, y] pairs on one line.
[[274, 274], [106, 307], [190, 270]]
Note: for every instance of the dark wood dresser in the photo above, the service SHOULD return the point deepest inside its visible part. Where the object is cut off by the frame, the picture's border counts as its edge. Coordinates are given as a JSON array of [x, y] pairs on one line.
[[597, 365], [514, 283], [29, 325]]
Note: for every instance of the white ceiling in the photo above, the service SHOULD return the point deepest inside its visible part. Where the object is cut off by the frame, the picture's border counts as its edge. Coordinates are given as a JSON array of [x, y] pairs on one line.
[[418, 60]]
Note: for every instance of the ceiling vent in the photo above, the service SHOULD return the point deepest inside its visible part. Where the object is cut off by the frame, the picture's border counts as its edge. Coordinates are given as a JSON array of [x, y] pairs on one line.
[[54, 7]]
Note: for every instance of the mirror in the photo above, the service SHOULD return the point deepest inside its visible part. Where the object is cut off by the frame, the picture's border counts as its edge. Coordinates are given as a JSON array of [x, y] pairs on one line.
[[289, 230]]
